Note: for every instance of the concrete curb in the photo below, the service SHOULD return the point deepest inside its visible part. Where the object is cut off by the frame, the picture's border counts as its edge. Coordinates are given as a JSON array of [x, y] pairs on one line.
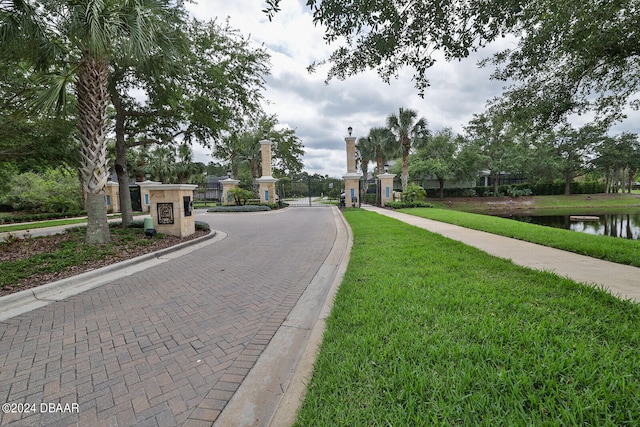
[[30, 299], [273, 390], [294, 395]]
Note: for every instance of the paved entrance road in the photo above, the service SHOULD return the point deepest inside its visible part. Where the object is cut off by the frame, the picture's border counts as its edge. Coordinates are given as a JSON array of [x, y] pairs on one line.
[[171, 344]]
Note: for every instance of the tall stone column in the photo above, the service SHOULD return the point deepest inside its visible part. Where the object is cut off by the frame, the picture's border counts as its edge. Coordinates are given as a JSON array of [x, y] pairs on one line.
[[352, 178], [228, 184], [266, 182], [386, 187]]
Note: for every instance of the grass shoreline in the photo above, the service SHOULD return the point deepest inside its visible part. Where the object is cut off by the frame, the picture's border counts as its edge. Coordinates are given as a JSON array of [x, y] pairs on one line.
[[540, 204], [614, 249], [429, 331]]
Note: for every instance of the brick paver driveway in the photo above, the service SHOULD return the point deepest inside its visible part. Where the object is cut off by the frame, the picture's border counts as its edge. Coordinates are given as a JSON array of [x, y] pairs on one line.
[[168, 345]]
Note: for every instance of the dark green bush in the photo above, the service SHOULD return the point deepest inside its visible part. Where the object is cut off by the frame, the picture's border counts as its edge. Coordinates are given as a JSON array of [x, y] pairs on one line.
[[200, 225], [524, 189], [403, 205], [56, 190], [244, 208]]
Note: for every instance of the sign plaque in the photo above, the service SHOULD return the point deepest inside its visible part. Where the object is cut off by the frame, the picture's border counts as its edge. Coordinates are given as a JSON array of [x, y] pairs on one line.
[[165, 213]]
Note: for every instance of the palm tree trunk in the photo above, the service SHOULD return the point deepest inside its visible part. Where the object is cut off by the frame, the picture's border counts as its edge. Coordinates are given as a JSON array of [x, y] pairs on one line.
[[405, 164], [93, 99], [379, 165]]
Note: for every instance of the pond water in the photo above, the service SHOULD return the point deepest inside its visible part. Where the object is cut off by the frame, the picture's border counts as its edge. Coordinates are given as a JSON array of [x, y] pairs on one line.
[[626, 226]]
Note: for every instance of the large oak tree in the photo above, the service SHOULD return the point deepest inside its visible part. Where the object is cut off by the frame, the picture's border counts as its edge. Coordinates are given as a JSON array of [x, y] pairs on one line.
[[571, 55], [197, 92]]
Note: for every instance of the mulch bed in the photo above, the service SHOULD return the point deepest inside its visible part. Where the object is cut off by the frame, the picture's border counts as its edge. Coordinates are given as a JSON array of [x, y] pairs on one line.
[[17, 249]]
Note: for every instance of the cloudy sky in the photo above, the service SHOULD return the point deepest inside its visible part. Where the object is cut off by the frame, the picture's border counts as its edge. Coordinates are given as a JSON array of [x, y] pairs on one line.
[[321, 113]]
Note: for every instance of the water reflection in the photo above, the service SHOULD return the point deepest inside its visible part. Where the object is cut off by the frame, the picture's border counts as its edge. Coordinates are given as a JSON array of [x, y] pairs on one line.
[[626, 226]]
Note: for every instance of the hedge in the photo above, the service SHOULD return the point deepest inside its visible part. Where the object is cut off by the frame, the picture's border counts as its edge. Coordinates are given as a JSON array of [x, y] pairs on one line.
[[543, 189], [244, 208]]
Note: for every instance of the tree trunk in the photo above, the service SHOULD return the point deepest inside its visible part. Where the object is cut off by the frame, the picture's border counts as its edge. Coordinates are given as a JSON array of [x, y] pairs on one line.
[[632, 173], [97, 225], [405, 165], [379, 165], [124, 196], [255, 173], [496, 182], [126, 210], [568, 177], [441, 182], [93, 99]]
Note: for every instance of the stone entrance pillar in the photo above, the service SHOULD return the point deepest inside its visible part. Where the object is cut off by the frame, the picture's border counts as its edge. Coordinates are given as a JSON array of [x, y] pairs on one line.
[[172, 208], [352, 178], [228, 184], [386, 187], [112, 196], [266, 181], [145, 201]]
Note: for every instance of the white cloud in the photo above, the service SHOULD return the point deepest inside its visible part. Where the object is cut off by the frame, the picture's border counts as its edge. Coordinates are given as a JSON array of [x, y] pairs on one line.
[[321, 113]]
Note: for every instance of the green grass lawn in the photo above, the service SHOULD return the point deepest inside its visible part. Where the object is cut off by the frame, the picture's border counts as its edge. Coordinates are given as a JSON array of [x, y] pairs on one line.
[[53, 223], [41, 224], [613, 249], [428, 331]]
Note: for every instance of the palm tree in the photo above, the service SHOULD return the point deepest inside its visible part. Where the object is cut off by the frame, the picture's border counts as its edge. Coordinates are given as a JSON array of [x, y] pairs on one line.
[[407, 130], [83, 34], [384, 146], [162, 164], [186, 169], [365, 152]]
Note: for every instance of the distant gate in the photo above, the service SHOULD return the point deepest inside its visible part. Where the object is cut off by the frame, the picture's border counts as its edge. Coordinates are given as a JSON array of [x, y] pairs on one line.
[[136, 200], [310, 191]]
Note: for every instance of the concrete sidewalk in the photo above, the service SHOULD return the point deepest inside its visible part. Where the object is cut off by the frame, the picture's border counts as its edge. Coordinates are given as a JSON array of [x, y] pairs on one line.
[[171, 344], [621, 280]]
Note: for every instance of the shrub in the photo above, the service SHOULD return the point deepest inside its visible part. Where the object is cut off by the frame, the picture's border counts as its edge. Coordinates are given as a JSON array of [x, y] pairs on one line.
[[413, 193], [200, 225], [61, 204], [55, 190], [525, 189], [403, 205], [240, 195], [242, 208], [274, 205], [517, 192]]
